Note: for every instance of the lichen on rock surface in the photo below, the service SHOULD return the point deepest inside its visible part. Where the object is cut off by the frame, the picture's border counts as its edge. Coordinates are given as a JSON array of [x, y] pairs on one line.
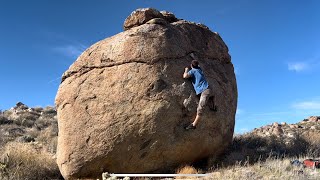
[[123, 103]]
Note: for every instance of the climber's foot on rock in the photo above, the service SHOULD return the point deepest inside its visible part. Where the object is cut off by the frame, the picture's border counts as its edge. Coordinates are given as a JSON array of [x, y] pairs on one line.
[[191, 126]]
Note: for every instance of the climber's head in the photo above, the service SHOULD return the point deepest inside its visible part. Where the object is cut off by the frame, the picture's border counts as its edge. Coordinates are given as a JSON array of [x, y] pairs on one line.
[[195, 64]]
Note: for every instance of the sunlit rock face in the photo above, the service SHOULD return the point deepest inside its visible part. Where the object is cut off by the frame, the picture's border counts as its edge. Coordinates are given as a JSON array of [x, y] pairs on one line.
[[123, 104]]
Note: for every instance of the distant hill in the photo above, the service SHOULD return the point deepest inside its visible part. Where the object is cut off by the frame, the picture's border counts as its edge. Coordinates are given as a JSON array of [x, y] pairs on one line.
[[267, 152], [277, 139]]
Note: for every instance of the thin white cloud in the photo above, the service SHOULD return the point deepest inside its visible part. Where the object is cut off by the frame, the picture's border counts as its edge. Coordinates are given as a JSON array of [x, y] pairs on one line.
[[307, 105], [293, 113], [309, 64], [298, 66], [71, 50], [55, 80]]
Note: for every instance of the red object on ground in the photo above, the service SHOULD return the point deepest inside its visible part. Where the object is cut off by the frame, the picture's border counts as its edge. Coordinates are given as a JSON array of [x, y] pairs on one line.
[[311, 163]]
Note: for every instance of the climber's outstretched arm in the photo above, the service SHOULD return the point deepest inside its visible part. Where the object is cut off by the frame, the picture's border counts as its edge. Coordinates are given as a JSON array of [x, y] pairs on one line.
[[185, 74]]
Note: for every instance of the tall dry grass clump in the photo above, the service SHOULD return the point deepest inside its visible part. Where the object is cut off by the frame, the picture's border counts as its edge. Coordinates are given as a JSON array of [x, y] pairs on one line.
[[251, 148], [48, 137], [187, 170], [27, 161], [271, 168], [313, 138]]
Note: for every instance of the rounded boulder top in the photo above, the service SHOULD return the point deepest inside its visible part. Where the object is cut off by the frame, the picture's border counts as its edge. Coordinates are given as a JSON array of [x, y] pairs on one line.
[[122, 105], [143, 15]]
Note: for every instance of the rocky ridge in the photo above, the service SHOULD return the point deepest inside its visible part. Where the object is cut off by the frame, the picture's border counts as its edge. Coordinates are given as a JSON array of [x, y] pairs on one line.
[[24, 124], [289, 132]]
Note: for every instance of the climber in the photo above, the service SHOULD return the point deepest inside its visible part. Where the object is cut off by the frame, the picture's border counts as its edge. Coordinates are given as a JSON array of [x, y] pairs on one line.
[[202, 89]]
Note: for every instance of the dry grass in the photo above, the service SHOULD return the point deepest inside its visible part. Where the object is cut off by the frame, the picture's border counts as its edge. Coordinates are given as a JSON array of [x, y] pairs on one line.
[[3, 119], [187, 170], [251, 149], [26, 119], [21, 160], [48, 137], [254, 157], [49, 110], [272, 168], [313, 138], [27, 161]]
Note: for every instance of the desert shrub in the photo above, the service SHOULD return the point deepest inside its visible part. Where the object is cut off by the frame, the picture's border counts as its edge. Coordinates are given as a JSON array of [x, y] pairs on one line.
[[26, 161], [52, 146], [45, 121], [25, 138], [2, 143], [24, 122], [298, 146], [4, 140], [313, 138], [26, 119], [314, 151], [48, 137], [3, 119], [13, 130], [250, 148], [49, 110], [55, 129], [42, 123], [7, 114], [38, 109], [10, 132], [33, 132]]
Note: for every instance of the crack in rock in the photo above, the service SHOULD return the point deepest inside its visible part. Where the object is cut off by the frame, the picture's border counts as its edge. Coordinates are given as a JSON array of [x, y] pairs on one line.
[[87, 69]]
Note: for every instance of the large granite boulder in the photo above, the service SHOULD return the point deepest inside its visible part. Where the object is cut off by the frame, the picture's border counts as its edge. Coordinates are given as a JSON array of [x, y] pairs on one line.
[[123, 104]]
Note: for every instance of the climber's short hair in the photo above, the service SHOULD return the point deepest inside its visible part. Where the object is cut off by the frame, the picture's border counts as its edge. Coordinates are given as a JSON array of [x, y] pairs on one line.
[[195, 63]]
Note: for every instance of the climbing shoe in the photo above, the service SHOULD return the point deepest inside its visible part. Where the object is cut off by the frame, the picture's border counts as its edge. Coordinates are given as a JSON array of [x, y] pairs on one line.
[[191, 126]]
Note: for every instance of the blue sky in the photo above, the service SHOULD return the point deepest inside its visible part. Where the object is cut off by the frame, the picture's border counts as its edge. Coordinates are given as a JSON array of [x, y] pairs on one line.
[[275, 48]]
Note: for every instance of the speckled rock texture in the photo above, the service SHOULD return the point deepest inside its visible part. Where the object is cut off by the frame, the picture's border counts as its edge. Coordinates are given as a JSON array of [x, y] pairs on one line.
[[123, 104]]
